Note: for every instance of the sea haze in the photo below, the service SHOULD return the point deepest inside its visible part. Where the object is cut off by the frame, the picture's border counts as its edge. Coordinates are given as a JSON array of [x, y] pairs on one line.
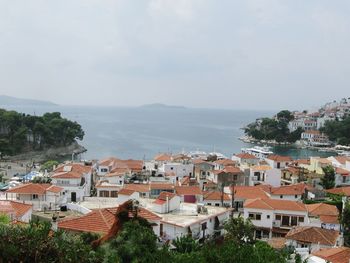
[[142, 132]]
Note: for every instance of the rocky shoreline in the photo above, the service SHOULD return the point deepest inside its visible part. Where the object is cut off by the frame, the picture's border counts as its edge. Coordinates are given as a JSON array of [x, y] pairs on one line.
[[57, 153]]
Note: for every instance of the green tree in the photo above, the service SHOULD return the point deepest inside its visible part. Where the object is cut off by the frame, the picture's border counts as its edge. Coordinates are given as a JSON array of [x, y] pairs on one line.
[[4, 219], [186, 244], [328, 180], [49, 165], [239, 230]]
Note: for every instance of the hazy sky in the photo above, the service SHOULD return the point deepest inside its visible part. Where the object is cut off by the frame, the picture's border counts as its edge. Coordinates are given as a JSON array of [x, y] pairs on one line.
[[258, 54]]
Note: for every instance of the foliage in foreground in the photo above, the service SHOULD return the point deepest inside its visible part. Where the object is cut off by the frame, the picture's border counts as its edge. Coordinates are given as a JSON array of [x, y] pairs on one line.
[[136, 243]]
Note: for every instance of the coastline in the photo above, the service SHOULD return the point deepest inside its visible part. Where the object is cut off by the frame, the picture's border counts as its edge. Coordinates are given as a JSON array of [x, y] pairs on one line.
[[58, 153], [297, 145]]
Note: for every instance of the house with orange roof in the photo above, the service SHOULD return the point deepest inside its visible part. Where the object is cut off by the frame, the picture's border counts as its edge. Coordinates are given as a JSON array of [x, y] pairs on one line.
[[264, 174], [143, 189], [110, 184], [278, 161], [331, 255], [100, 221], [216, 198], [75, 179], [40, 196], [189, 194], [112, 165], [342, 191], [342, 177], [229, 175], [274, 218], [156, 188], [16, 211], [313, 238], [127, 194], [166, 202], [245, 159], [293, 192], [324, 216], [178, 170], [242, 193]]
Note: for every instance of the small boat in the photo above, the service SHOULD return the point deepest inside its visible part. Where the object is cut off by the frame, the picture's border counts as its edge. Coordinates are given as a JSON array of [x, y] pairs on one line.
[[259, 151]]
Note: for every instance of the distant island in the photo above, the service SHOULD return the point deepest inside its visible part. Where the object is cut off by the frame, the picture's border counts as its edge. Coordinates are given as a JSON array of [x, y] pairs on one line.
[[13, 101], [21, 133], [161, 106], [327, 126]]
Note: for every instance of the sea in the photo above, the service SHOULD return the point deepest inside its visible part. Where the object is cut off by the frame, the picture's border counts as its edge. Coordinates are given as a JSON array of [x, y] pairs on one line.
[[143, 132]]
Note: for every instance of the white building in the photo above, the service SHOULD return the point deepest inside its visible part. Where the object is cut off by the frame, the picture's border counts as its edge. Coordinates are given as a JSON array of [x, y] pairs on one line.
[[278, 161], [177, 170], [16, 211], [274, 218], [264, 174], [75, 179], [41, 196]]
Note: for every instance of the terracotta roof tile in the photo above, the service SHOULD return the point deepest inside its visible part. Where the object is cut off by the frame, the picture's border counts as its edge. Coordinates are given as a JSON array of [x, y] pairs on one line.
[[274, 204], [215, 195], [141, 188], [246, 156], [314, 235], [188, 190], [249, 192], [31, 188], [280, 158], [125, 191], [19, 209], [334, 255], [293, 189], [340, 191]]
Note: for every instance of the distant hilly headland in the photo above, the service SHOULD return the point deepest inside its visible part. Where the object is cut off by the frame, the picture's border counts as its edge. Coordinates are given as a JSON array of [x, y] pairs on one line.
[[13, 101]]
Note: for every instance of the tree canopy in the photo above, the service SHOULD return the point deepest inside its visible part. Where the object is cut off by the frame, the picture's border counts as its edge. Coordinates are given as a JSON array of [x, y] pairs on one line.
[[274, 128], [338, 131], [328, 180], [20, 132]]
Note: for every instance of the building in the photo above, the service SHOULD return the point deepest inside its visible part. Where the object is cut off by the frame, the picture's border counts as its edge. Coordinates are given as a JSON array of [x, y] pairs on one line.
[[75, 179], [315, 138], [331, 255], [313, 238], [165, 203], [40, 196], [274, 218], [278, 161], [189, 194], [16, 211], [324, 216], [342, 177], [246, 159], [242, 193], [264, 174], [216, 198], [293, 192]]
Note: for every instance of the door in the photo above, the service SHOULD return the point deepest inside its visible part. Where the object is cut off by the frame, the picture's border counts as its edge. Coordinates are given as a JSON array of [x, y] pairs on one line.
[[73, 196]]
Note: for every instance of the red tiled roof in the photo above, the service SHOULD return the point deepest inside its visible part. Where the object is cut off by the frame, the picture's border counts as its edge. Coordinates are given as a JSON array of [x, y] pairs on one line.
[[340, 191], [327, 213], [75, 167], [293, 189], [125, 191], [314, 235], [166, 195], [188, 190], [100, 221], [31, 188], [216, 195], [163, 157], [246, 156], [67, 175], [141, 188], [334, 255], [162, 186], [274, 204], [249, 192], [342, 159], [225, 162], [279, 158], [232, 170], [19, 209]]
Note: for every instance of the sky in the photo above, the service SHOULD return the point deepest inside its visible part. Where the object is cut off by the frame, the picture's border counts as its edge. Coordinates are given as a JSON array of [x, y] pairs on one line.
[[234, 54]]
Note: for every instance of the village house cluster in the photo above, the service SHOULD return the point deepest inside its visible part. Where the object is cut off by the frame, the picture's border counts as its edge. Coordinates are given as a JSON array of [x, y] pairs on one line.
[[311, 122], [195, 194]]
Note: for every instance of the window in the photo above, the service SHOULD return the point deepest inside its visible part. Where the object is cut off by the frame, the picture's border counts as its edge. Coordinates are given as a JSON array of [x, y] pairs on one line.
[[285, 220], [278, 217], [268, 216], [35, 196], [281, 196], [104, 170], [171, 168], [114, 193], [208, 203], [301, 219], [255, 216], [217, 204], [296, 196], [294, 221]]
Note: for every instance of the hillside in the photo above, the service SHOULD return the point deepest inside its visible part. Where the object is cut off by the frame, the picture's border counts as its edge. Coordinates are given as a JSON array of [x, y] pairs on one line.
[[13, 101]]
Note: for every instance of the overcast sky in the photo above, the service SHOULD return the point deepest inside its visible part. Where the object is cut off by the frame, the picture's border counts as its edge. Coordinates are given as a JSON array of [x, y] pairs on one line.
[[257, 54]]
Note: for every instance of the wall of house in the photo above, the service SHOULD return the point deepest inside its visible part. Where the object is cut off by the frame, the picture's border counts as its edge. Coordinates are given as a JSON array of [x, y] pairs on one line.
[[216, 202], [273, 177], [27, 216], [123, 198], [179, 169], [287, 197]]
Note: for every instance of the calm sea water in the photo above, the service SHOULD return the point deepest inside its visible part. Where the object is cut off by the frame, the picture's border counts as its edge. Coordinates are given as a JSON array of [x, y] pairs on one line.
[[142, 132]]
